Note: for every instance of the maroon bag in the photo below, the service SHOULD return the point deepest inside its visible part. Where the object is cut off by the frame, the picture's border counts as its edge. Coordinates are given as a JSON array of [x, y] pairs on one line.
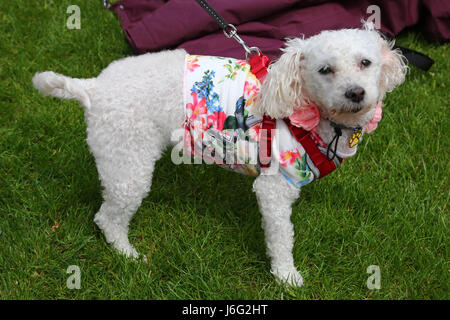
[[153, 25]]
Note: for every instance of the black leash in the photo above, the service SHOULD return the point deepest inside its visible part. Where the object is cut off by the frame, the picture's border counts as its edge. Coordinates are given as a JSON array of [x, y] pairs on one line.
[[219, 19], [229, 30]]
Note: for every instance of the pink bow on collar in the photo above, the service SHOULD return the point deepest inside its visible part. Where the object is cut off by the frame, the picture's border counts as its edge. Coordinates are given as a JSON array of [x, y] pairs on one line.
[[308, 117], [373, 123]]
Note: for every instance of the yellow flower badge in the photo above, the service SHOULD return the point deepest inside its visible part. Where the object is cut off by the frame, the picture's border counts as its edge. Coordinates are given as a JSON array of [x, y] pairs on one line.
[[354, 140]]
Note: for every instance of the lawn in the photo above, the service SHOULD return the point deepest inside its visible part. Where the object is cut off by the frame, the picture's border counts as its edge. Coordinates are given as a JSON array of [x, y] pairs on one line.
[[387, 206]]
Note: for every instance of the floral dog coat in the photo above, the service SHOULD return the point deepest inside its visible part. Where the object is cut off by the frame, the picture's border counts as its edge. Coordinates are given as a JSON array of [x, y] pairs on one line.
[[219, 94]]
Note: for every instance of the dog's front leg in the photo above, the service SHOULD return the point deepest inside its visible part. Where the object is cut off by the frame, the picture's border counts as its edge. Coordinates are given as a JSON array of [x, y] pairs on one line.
[[275, 197]]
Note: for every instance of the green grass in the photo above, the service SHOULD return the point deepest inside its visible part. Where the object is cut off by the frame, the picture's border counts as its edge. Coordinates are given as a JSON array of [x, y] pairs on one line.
[[200, 227]]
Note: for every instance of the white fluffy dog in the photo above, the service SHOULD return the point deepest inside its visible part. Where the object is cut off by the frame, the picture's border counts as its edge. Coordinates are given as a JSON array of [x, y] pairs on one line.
[[135, 104]]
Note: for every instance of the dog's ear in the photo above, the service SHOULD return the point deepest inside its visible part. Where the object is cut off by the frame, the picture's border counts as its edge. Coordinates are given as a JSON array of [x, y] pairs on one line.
[[281, 90], [393, 67]]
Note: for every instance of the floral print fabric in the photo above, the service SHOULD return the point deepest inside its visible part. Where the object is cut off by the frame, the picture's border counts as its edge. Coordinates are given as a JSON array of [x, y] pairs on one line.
[[219, 94]]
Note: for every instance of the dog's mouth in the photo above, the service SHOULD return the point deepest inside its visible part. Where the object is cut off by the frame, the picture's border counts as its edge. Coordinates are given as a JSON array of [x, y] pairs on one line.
[[349, 115], [356, 110], [352, 108]]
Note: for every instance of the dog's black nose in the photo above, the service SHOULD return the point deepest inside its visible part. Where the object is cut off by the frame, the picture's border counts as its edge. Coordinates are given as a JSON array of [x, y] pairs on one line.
[[356, 94]]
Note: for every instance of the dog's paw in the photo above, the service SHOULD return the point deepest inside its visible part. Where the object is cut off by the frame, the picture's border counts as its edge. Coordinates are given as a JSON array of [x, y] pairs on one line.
[[289, 276], [130, 252], [127, 249]]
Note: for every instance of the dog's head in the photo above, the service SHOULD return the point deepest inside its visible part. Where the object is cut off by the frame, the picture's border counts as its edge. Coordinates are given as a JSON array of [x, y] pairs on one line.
[[345, 73]]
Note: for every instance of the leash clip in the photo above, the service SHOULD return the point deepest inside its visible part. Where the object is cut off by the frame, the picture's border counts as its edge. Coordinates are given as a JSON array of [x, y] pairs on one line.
[[231, 32]]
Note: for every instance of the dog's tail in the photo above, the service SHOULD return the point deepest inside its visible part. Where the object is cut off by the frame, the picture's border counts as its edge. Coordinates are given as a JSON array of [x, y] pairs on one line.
[[58, 85]]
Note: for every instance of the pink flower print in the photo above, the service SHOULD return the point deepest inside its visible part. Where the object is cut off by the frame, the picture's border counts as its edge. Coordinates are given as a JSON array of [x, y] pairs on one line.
[[250, 89], [288, 157], [216, 120], [191, 64], [197, 108]]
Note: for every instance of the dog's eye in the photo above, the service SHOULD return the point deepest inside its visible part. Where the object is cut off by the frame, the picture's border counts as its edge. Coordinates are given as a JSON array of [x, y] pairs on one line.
[[365, 63], [325, 70]]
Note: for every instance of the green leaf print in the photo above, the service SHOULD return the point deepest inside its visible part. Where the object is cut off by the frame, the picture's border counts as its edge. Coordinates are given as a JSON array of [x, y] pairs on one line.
[[302, 168]]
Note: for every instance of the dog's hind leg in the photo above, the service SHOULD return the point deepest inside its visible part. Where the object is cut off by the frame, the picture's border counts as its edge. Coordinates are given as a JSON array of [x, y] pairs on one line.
[[275, 198], [125, 151], [125, 185]]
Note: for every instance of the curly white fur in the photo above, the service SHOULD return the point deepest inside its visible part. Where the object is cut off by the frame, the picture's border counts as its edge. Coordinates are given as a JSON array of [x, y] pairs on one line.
[[133, 106]]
